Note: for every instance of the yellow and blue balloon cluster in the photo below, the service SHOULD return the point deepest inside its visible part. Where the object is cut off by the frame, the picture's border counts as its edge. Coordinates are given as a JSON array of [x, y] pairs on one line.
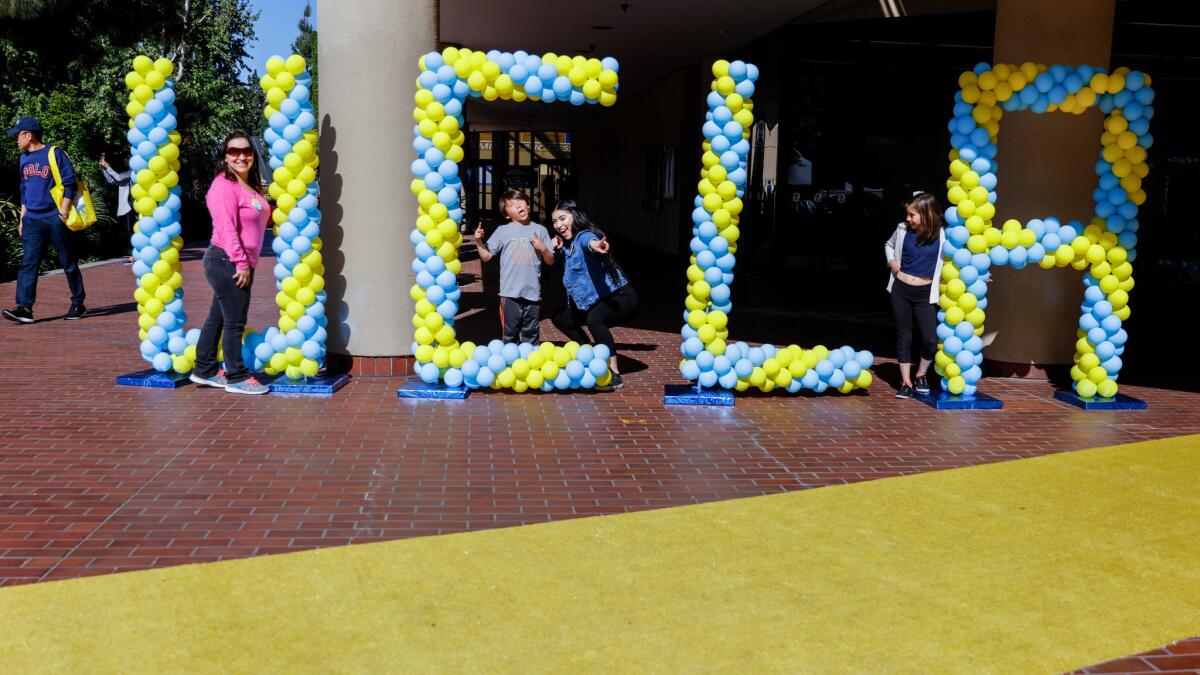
[[1105, 247], [708, 359], [156, 241], [297, 346], [447, 78]]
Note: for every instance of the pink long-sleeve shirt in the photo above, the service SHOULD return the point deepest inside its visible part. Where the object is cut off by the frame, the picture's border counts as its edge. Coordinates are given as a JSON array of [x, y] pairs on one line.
[[240, 218]]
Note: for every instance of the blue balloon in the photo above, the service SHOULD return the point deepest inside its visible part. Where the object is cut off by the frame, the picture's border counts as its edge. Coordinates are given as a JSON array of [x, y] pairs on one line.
[[865, 359], [811, 380], [824, 369], [953, 345], [743, 367], [562, 86]]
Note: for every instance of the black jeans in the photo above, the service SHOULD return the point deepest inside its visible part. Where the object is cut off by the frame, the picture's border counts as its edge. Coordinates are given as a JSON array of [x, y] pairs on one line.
[[909, 302], [519, 319], [36, 234], [599, 318], [226, 318]]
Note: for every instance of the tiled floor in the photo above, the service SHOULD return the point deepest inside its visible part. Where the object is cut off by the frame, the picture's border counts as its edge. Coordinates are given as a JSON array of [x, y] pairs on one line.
[[96, 478]]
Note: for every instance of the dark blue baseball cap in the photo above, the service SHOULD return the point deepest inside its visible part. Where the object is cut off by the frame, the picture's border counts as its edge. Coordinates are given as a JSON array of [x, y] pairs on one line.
[[26, 123]]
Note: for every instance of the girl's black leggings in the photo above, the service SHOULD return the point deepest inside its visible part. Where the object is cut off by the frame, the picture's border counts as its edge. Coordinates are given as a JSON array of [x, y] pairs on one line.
[[909, 302], [599, 318]]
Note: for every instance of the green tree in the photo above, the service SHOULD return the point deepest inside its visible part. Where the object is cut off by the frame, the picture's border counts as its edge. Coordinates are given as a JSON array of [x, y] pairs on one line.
[[65, 62], [305, 45]]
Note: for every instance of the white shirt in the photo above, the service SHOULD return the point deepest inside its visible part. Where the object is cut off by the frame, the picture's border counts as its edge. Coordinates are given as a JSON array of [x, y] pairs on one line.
[[894, 248]]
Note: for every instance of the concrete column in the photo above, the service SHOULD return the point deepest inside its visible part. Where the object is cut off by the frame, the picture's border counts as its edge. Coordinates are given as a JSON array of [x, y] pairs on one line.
[[1045, 169], [369, 51]]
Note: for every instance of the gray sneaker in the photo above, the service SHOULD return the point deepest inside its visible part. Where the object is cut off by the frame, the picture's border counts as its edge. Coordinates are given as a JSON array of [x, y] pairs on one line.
[[247, 386], [217, 380]]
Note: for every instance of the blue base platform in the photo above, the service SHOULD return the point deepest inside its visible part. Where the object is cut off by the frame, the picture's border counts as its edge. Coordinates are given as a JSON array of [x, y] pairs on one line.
[[415, 387], [1118, 402], [942, 400], [690, 394], [319, 385], [153, 379]]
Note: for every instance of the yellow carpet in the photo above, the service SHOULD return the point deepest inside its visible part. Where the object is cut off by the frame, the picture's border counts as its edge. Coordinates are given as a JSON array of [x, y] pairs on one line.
[[1038, 565]]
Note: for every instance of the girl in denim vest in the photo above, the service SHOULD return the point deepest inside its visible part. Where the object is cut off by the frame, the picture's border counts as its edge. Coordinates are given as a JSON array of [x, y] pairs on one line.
[[598, 294]]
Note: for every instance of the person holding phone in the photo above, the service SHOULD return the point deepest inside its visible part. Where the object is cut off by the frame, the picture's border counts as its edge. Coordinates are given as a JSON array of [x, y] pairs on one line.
[[122, 179]]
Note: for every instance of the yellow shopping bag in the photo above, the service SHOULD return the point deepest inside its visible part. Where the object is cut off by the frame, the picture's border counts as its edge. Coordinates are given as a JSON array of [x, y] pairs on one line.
[[82, 215]]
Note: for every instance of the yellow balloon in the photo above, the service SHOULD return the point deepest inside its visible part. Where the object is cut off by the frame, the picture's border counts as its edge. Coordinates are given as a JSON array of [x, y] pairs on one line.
[[155, 80], [295, 64], [275, 66], [164, 66]]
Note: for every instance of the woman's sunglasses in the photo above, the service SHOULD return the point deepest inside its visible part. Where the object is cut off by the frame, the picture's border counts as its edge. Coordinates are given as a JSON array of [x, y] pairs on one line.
[[239, 152]]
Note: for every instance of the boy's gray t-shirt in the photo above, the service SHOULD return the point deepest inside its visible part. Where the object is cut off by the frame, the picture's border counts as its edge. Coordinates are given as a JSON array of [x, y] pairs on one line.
[[520, 264]]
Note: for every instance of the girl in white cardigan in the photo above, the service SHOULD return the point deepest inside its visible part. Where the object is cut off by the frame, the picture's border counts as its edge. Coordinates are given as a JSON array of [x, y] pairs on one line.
[[914, 256]]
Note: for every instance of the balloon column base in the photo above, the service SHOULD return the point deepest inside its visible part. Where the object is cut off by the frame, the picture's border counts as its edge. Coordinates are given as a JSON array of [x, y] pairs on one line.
[[153, 379], [942, 400], [415, 387], [318, 385], [1118, 402], [690, 394]]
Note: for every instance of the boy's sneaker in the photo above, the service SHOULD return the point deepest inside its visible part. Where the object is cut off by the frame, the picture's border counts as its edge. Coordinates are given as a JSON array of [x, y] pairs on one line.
[[19, 314], [904, 392], [217, 380], [76, 312], [921, 384], [247, 386]]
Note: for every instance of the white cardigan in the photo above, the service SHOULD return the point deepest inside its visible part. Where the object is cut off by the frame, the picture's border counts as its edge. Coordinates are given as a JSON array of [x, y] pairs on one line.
[[894, 248]]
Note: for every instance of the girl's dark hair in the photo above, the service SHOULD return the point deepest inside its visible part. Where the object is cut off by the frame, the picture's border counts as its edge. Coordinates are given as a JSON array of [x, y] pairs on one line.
[[581, 223], [926, 206], [224, 170]]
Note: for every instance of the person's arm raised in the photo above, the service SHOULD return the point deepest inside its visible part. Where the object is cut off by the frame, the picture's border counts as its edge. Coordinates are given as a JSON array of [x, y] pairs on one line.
[[485, 255], [545, 252]]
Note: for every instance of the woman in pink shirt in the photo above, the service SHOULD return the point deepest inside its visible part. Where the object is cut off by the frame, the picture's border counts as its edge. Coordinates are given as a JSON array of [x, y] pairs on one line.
[[240, 215]]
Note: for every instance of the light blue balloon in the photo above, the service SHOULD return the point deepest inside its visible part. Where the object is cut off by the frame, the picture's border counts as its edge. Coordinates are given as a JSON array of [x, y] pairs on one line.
[[689, 370], [811, 380], [600, 366], [743, 367], [429, 373], [161, 362], [485, 377]]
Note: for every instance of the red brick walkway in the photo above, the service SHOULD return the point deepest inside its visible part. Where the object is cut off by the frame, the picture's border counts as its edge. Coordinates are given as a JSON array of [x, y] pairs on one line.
[[96, 478]]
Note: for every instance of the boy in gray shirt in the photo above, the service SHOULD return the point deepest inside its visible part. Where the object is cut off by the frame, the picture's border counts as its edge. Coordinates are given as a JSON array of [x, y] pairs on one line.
[[522, 247]]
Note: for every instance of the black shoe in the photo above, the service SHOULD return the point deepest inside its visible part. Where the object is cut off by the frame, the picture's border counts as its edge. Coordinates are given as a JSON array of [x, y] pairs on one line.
[[77, 311], [613, 385], [922, 384], [19, 314], [905, 391]]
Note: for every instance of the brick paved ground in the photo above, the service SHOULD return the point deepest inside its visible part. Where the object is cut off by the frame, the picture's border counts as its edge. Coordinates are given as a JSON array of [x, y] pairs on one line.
[[96, 478]]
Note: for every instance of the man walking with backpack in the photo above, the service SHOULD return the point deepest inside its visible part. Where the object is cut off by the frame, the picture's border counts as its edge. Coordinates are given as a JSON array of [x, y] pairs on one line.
[[43, 219]]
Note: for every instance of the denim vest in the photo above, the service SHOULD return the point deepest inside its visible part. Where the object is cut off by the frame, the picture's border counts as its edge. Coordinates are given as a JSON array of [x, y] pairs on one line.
[[584, 273]]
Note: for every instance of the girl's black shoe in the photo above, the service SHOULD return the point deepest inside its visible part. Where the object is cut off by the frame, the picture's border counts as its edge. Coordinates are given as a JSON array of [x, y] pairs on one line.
[[904, 392], [922, 384]]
